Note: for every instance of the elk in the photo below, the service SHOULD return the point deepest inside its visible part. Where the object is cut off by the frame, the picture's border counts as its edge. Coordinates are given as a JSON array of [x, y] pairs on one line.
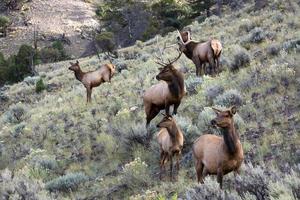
[[201, 52], [217, 155], [169, 91], [92, 78], [170, 140]]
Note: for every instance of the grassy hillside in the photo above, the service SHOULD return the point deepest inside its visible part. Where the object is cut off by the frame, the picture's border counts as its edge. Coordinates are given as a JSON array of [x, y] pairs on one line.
[[54, 146]]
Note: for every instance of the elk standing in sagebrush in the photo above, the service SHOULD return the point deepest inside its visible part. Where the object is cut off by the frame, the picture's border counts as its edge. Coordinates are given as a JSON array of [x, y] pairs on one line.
[[169, 91], [219, 155], [92, 78], [201, 52], [170, 140]]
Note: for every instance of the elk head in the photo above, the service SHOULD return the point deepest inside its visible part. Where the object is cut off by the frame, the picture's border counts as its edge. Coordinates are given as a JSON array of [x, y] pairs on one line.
[[167, 71], [183, 37], [166, 122], [224, 119], [74, 66]]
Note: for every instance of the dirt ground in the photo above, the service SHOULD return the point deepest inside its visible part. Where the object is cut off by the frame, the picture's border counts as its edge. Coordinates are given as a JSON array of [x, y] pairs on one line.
[[52, 19]]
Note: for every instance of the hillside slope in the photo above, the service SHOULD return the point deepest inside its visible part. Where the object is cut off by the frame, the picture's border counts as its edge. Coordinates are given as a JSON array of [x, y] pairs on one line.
[[54, 146], [51, 19]]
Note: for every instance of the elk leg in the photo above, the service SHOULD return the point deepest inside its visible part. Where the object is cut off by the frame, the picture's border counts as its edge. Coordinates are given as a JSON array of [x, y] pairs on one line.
[[212, 65], [199, 170], [177, 162], [153, 112], [218, 65], [161, 163], [88, 94], [198, 65], [176, 105], [220, 177], [171, 167]]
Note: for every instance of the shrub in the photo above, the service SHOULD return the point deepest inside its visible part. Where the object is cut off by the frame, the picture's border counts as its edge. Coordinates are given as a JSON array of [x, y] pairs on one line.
[[241, 58], [39, 86], [291, 44], [246, 26], [192, 83], [213, 91], [105, 41], [210, 190], [254, 182], [273, 49], [66, 183], [4, 22], [204, 120], [15, 114], [229, 98], [256, 35], [136, 174], [54, 53]]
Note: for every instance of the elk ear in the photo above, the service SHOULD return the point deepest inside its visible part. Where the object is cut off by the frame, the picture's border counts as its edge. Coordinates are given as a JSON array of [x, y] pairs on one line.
[[233, 110], [217, 111], [71, 63], [77, 62]]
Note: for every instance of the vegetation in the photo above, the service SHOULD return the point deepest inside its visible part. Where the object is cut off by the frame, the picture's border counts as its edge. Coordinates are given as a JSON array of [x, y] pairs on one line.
[[4, 22], [54, 146], [17, 67]]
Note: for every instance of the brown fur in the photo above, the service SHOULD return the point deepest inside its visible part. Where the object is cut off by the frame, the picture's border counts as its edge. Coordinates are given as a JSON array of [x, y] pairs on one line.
[[169, 91], [170, 140], [219, 155], [92, 78], [201, 52]]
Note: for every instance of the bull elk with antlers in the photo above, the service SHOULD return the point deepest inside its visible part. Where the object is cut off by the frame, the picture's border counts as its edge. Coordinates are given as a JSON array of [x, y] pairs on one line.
[[219, 155], [201, 52], [169, 91], [92, 78]]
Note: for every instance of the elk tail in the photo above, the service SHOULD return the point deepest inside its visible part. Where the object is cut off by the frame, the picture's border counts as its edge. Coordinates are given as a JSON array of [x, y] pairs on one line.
[[216, 47]]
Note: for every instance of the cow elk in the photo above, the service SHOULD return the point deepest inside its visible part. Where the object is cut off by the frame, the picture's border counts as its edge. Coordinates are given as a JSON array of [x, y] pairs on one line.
[[169, 91], [92, 78], [219, 155], [170, 140], [201, 52]]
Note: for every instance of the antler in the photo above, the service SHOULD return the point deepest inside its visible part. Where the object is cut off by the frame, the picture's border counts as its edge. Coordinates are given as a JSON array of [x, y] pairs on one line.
[[110, 56], [161, 51]]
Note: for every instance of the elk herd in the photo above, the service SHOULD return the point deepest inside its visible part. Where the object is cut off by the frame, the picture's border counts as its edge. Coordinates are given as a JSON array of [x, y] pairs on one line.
[[213, 155]]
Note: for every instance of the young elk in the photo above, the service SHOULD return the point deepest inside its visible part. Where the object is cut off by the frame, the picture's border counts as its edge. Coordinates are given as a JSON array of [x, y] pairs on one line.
[[92, 78], [201, 52], [217, 155], [170, 140], [169, 91]]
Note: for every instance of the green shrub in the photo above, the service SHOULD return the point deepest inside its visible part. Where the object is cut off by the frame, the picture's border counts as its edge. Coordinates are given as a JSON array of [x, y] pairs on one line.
[[212, 92], [254, 182], [39, 86], [210, 190], [4, 22], [192, 83], [241, 58], [273, 49], [105, 41], [136, 175], [256, 35], [54, 53], [229, 98], [204, 120], [66, 183], [15, 114]]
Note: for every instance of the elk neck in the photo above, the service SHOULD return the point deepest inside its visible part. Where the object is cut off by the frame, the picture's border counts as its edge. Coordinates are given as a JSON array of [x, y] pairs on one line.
[[230, 138], [176, 86], [79, 74], [190, 49], [173, 132]]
